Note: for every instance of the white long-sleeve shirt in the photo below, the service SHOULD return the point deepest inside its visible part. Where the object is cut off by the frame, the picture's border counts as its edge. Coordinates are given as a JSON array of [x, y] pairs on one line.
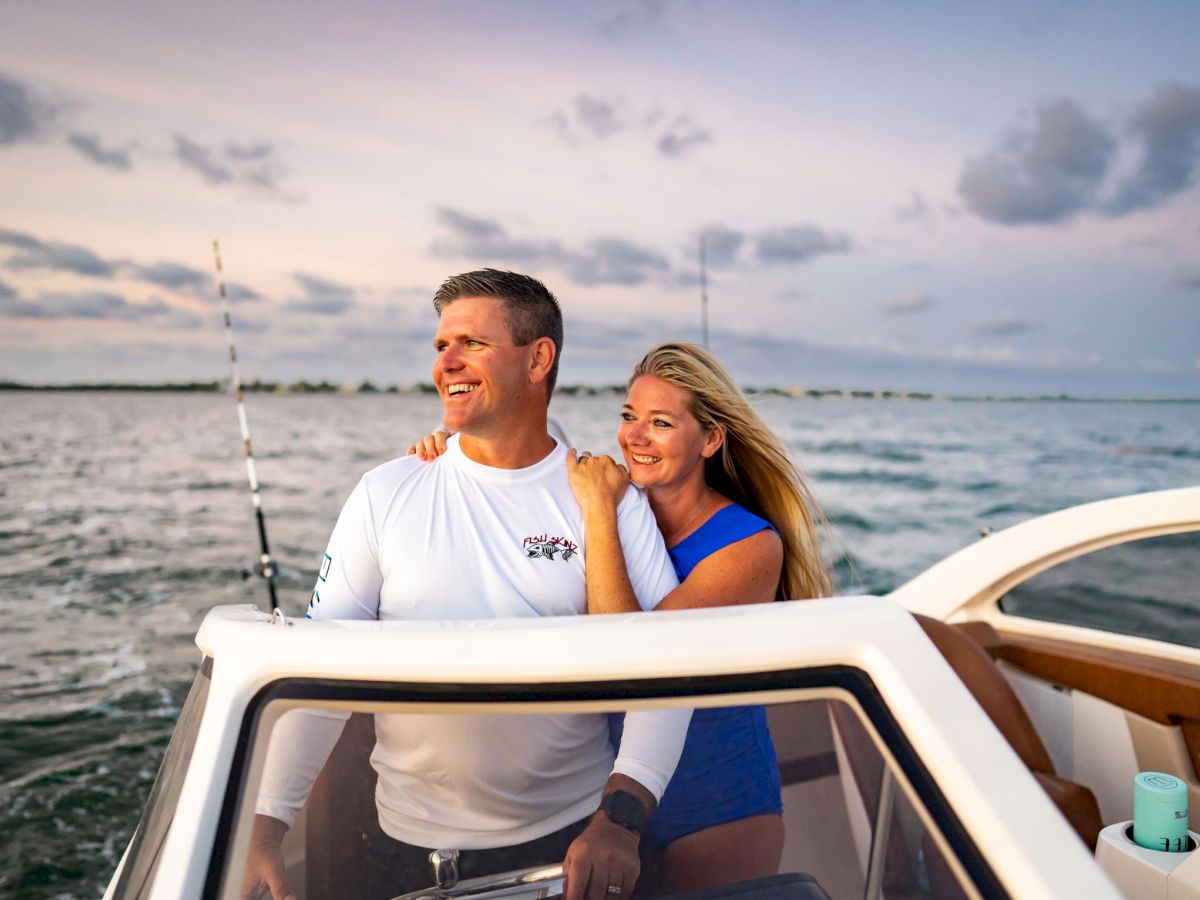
[[453, 539]]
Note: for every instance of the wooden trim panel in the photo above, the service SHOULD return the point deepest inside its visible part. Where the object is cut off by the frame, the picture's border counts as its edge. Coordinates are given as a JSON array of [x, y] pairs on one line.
[[1163, 691]]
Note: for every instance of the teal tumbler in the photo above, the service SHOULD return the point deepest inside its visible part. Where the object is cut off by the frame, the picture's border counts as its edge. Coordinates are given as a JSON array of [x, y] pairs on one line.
[[1160, 812]]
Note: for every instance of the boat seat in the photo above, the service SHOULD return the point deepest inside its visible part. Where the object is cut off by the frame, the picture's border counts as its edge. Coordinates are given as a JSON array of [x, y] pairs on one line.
[[987, 684], [341, 815], [992, 691]]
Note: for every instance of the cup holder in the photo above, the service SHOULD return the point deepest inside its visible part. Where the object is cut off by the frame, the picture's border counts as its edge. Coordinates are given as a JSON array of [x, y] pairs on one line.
[[1191, 841]]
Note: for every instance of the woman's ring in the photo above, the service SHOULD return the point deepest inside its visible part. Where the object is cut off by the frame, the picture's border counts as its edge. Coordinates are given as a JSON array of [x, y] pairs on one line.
[[614, 889]]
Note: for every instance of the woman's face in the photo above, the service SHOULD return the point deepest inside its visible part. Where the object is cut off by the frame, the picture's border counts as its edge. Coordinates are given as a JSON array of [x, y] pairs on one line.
[[662, 442]]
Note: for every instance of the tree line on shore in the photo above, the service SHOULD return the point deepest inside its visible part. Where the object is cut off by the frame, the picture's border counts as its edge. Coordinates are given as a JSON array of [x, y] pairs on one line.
[[368, 387]]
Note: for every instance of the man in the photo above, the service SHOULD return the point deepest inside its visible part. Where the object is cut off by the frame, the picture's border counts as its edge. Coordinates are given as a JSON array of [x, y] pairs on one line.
[[489, 530]]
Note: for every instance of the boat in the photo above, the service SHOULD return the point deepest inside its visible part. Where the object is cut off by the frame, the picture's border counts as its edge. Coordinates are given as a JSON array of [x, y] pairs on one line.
[[935, 742]]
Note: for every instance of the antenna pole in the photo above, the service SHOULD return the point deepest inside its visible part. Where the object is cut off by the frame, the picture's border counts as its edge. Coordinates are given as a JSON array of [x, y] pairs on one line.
[[703, 295], [266, 566]]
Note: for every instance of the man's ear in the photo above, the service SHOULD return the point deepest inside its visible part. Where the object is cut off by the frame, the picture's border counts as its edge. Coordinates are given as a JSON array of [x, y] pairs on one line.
[[541, 359], [713, 442]]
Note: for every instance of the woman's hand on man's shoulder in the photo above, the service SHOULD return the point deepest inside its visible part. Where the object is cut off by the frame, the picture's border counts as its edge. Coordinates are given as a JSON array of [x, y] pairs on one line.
[[429, 447]]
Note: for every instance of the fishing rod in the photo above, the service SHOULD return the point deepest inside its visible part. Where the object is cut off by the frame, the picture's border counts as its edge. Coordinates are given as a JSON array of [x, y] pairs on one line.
[[266, 567]]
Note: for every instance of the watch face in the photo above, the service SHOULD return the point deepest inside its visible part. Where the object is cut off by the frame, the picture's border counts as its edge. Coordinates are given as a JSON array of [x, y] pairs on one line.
[[624, 809]]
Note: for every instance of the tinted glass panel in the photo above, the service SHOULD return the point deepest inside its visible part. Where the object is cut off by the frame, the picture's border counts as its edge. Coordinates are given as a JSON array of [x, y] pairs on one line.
[[839, 799], [1149, 588]]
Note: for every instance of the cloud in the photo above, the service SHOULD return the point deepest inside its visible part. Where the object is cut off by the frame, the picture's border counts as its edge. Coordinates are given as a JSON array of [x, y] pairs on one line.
[[682, 138], [22, 115], [486, 240], [1190, 284], [592, 119], [187, 280], [174, 276], [633, 17], [1004, 326], [6, 292], [909, 302], [200, 159], [615, 261], [239, 293], [916, 209], [248, 151], [18, 239], [606, 260], [85, 305], [799, 243], [252, 166], [599, 117], [1167, 127], [321, 297], [721, 245], [52, 256], [1043, 174], [110, 157]]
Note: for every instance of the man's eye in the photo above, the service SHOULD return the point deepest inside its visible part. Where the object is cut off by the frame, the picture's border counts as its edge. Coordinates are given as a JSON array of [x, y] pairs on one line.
[[471, 343]]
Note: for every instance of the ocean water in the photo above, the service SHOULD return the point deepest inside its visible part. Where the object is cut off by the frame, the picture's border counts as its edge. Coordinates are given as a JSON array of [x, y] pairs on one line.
[[124, 517]]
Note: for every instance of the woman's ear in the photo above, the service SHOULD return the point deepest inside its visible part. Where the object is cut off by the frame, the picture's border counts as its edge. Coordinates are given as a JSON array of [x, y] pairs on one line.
[[713, 442]]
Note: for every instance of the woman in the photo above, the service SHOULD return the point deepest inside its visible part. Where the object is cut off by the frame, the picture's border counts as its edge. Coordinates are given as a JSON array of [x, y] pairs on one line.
[[740, 527]]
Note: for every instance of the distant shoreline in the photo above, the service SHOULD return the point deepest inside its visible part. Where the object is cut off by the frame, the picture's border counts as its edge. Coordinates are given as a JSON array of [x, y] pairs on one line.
[[366, 387]]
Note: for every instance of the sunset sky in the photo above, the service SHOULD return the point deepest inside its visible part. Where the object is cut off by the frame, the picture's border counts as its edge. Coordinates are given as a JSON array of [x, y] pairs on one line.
[[941, 196]]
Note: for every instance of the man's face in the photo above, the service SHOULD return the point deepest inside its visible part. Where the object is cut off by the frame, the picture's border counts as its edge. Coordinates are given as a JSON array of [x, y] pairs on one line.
[[481, 375]]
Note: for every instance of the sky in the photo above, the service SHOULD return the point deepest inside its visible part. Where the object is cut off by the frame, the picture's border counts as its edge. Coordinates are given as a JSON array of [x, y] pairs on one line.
[[959, 198]]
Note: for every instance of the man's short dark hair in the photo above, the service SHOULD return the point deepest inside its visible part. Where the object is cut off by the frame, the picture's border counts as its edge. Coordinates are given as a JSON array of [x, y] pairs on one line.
[[530, 310]]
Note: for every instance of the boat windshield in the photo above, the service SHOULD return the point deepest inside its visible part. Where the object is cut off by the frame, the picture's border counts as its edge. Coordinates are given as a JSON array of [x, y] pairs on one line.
[[142, 857], [843, 804]]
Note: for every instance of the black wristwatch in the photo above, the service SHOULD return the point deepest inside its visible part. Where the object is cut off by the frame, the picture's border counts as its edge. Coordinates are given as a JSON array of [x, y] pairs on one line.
[[625, 810]]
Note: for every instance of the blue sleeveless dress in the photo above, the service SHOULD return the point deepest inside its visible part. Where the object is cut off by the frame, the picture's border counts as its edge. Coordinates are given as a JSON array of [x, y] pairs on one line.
[[728, 769]]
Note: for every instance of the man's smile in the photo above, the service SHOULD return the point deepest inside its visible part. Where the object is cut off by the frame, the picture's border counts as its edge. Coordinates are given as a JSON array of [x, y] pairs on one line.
[[460, 389]]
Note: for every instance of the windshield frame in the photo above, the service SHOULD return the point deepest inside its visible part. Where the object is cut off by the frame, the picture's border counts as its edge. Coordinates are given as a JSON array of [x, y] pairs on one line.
[[141, 860], [852, 680]]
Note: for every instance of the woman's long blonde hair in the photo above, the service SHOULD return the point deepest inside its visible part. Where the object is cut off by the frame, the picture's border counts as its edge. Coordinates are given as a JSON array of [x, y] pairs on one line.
[[752, 466]]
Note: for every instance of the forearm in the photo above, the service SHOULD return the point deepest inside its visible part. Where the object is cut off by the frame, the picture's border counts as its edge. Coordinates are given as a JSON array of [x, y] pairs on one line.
[[651, 744], [300, 743], [609, 589]]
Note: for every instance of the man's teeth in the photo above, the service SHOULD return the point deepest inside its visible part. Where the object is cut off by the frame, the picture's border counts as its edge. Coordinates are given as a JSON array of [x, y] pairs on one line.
[[461, 389], [645, 460]]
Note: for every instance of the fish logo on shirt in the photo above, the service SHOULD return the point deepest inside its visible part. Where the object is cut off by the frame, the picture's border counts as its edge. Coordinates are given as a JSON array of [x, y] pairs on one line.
[[543, 546]]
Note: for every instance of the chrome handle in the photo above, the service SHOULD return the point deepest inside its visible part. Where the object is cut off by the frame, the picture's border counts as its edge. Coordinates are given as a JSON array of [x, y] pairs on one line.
[[445, 867]]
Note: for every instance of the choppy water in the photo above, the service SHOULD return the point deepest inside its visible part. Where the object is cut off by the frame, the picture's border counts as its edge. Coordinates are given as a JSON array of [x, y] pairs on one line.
[[124, 517]]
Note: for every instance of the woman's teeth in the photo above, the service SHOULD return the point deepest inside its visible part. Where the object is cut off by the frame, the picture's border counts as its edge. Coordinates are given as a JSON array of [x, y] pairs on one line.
[[645, 460]]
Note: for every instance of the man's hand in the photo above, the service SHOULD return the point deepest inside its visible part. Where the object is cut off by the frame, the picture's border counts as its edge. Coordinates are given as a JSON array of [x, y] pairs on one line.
[[264, 865], [602, 863]]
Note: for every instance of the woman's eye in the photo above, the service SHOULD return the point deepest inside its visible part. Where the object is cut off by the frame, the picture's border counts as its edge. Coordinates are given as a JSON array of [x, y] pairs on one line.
[[626, 417], [662, 423]]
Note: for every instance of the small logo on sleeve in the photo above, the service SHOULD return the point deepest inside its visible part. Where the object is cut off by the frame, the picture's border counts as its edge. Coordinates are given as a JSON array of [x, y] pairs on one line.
[[543, 546]]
